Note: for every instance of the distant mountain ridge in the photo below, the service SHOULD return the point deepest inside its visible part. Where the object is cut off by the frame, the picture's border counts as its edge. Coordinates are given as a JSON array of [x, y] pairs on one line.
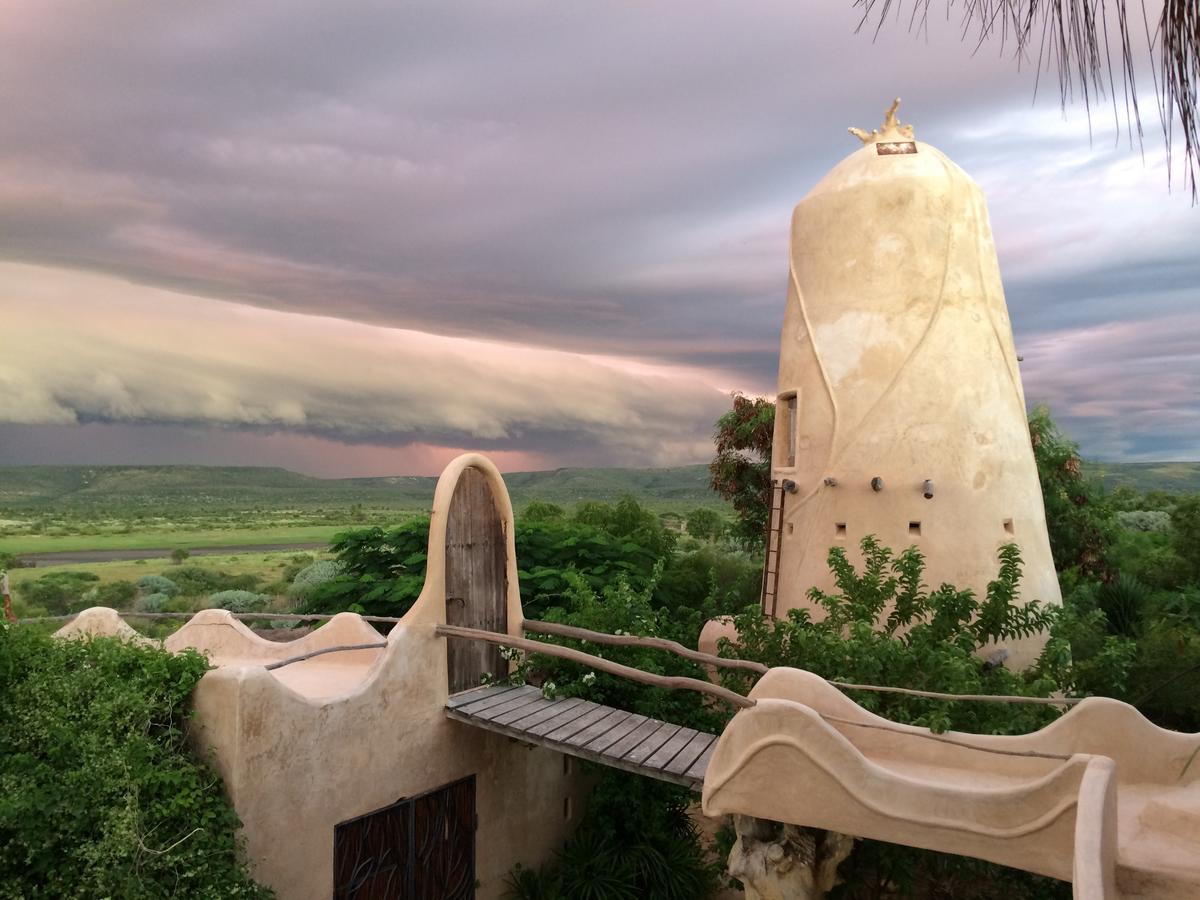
[[94, 488]]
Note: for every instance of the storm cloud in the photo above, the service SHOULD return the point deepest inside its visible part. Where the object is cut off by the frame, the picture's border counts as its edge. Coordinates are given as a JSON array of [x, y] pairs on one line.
[[553, 230]]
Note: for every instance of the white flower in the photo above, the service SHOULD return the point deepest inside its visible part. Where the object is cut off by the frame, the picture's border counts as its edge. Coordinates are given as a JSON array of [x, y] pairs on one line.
[[589, 678]]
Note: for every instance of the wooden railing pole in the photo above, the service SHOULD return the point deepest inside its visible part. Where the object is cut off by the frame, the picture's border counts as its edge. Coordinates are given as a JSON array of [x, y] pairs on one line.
[[630, 640], [670, 682]]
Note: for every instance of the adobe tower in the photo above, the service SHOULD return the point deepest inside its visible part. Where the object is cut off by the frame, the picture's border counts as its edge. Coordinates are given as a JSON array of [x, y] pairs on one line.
[[900, 410]]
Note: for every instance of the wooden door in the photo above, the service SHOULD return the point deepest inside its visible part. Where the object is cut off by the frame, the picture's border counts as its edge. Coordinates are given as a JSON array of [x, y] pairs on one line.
[[476, 580], [420, 848]]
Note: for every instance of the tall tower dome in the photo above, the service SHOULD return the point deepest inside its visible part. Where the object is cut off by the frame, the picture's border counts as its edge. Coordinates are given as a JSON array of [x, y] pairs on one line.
[[900, 410]]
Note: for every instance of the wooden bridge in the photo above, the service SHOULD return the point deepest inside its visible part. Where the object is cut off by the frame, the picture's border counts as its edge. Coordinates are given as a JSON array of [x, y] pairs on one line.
[[590, 731]]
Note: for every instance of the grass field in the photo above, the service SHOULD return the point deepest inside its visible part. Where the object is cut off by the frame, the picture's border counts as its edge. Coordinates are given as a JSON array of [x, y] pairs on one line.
[[169, 540], [266, 565]]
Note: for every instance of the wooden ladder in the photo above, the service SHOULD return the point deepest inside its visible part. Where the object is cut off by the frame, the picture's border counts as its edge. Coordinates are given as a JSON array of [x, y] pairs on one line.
[[774, 541]]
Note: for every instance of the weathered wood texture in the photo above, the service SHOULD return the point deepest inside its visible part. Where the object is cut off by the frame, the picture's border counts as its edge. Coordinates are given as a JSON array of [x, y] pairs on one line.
[[588, 730], [632, 640], [476, 580], [670, 682]]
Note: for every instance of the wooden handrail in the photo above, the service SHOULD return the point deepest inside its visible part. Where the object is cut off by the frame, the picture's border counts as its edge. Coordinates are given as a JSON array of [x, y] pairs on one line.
[[630, 640], [670, 682], [279, 664]]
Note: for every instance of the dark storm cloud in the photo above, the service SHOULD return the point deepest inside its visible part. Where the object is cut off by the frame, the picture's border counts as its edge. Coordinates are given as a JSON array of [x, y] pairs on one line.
[[606, 179]]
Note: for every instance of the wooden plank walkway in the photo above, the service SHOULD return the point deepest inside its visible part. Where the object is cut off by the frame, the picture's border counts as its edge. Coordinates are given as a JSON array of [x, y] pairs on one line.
[[588, 730]]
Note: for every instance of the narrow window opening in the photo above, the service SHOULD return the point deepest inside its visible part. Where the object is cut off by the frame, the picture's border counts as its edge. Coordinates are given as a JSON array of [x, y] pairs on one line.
[[840, 528], [566, 809], [566, 764], [787, 407], [791, 527], [914, 528], [1008, 526]]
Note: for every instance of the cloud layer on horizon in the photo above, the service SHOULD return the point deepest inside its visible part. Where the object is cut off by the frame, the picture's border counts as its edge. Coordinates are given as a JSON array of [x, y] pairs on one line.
[[598, 188], [134, 354]]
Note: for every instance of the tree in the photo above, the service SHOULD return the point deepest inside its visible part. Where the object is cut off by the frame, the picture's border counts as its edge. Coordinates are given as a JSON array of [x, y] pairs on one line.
[[178, 555], [741, 471], [705, 524], [1185, 522], [1079, 517], [1073, 38]]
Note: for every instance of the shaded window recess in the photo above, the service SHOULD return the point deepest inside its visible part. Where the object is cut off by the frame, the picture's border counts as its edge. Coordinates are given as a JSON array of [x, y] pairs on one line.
[[566, 809], [1008, 526], [787, 408], [914, 528], [840, 529], [791, 527]]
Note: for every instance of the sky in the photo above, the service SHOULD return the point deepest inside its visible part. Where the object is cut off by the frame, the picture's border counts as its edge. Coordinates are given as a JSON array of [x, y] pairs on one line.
[[359, 238]]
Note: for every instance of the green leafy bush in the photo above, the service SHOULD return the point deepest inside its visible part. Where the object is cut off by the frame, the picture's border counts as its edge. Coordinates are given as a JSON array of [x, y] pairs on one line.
[[197, 581], [117, 594], [239, 601], [384, 570], [313, 576], [58, 592], [99, 794], [152, 603], [885, 627], [157, 584], [1156, 520], [705, 524]]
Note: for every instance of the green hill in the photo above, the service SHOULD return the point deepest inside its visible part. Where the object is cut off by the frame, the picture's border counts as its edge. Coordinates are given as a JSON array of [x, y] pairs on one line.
[[105, 490], [1172, 477], [212, 489]]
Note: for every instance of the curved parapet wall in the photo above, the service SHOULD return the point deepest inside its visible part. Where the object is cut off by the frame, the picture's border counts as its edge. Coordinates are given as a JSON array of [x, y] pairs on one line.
[[100, 621], [1101, 796]]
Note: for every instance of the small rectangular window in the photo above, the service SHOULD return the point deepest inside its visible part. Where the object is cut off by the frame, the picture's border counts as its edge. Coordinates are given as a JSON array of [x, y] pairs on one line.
[[840, 529], [914, 528], [1008, 525], [786, 408]]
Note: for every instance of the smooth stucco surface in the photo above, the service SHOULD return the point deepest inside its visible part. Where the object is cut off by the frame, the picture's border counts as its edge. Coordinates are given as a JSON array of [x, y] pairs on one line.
[[898, 348], [1101, 797]]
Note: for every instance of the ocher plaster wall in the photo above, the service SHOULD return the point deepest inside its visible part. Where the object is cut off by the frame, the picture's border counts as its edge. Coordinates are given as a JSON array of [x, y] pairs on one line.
[[897, 344], [310, 745]]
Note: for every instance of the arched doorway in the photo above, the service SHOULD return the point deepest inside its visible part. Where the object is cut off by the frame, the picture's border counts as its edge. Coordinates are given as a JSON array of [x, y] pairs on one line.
[[476, 580]]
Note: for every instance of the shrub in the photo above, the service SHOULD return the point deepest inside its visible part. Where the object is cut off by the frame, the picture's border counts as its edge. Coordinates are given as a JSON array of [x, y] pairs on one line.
[[1156, 520], [239, 601], [117, 594], [157, 584], [541, 511], [115, 805], [705, 524], [384, 570], [883, 627], [313, 576], [152, 603], [1122, 601], [178, 555], [197, 581], [58, 592]]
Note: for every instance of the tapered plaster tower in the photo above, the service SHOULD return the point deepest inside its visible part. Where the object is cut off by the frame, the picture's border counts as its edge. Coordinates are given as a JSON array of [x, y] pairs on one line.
[[900, 410]]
